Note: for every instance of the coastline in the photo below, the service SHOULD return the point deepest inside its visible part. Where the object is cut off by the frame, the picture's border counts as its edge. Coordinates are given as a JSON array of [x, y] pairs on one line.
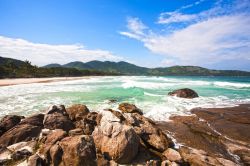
[[17, 81], [210, 136]]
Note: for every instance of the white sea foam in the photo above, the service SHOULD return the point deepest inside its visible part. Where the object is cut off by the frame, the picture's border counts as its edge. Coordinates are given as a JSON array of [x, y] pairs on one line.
[[230, 84]]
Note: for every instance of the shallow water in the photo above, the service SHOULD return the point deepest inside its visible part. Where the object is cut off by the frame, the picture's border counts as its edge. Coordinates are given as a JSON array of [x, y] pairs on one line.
[[148, 93]]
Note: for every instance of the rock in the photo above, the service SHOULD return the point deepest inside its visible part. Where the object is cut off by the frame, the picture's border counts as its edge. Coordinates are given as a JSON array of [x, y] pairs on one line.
[[30, 145], [36, 160], [19, 133], [51, 139], [57, 109], [35, 120], [21, 154], [200, 157], [101, 160], [86, 125], [184, 93], [77, 131], [5, 156], [172, 155], [77, 112], [116, 141], [8, 122], [153, 163], [78, 150], [111, 101], [166, 163], [56, 153], [129, 108], [152, 136], [57, 121]]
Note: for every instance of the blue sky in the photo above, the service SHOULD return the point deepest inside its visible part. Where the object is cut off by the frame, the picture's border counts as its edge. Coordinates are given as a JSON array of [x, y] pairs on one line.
[[213, 34]]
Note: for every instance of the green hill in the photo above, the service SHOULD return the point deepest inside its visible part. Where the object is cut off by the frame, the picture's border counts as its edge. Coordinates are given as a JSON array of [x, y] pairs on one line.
[[12, 68]]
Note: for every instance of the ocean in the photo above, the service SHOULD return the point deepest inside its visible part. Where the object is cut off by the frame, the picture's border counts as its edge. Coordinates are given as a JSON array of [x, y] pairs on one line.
[[147, 92]]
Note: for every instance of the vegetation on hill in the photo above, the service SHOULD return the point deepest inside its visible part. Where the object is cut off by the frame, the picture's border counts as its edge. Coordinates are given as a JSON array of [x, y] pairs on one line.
[[12, 68]]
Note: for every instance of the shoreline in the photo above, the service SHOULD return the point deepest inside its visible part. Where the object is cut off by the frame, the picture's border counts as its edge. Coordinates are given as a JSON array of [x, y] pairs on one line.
[[210, 136], [17, 81]]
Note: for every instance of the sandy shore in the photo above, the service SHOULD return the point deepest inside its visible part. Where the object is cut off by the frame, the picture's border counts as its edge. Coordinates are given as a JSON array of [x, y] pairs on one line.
[[16, 81]]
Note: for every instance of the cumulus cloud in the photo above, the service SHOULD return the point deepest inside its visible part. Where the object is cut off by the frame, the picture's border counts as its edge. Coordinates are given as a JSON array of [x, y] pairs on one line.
[[218, 34], [42, 54]]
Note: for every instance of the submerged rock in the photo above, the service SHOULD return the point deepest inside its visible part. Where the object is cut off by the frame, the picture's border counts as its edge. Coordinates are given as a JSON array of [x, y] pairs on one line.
[[184, 93]]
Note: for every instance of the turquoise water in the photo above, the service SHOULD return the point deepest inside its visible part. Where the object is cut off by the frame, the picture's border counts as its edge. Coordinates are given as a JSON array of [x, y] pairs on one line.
[[148, 93]]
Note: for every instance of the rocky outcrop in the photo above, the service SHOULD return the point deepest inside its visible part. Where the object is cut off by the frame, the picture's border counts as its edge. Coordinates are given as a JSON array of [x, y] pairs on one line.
[[8, 122], [116, 141], [78, 150], [184, 93], [109, 137]]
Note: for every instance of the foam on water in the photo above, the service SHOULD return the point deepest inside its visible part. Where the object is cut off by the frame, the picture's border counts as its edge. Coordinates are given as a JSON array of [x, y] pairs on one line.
[[148, 93]]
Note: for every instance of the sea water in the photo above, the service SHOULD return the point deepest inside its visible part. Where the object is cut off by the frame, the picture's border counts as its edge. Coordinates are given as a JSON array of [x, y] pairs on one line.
[[147, 92]]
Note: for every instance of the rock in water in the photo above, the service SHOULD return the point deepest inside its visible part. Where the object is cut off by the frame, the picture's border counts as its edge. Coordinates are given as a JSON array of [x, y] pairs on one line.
[[78, 150], [184, 93], [115, 140]]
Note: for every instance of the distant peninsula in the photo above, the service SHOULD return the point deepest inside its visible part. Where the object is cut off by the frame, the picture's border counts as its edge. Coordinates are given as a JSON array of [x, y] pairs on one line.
[[13, 68]]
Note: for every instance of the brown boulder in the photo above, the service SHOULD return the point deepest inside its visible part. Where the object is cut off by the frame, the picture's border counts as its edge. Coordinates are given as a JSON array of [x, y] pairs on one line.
[[36, 160], [36, 120], [77, 111], [57, 121], [116, 141], [172, 155], [129, 108], [184, 93], [199, 157], [78, 150], [8, 122], [152, 136], [57, 109], [24, 132]]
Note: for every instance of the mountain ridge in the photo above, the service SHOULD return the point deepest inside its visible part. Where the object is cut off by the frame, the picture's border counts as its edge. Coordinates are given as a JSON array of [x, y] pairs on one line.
[[125, 68]]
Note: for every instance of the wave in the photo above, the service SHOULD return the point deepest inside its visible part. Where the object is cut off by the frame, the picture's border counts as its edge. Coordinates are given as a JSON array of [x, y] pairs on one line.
[[231, 84]]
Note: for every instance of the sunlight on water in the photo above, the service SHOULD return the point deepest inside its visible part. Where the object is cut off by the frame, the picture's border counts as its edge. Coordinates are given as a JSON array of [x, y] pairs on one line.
[[148, 93]]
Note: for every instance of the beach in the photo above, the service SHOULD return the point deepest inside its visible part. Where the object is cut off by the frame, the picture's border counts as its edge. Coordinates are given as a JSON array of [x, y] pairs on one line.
[[17, 81]]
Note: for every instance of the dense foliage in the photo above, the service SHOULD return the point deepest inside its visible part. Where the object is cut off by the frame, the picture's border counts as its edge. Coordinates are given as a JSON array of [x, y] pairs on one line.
[[11, 68]]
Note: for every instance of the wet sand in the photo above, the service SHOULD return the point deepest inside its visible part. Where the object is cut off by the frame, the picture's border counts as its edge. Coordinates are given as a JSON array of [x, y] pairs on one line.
[[16, 81], [221, 132]]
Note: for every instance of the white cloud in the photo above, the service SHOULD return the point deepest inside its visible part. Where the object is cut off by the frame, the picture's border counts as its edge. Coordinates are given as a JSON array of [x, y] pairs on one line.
[[220, 33], [42, 54]]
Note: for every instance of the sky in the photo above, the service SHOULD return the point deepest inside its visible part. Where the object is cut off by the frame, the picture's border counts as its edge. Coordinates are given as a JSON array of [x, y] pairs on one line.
[[149, 33]]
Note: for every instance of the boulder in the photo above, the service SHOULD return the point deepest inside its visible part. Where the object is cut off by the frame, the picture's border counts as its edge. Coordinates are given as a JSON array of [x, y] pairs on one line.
[[57, 121], [116, 141], [55, 154], [36, 160], [57, 109], [172, 155], [77, 131], [86, 125], [184, 93], [129, 108], [8, 122], [35, 120], [77, 111], [152, 136], [200, 157], [19, 133], [21, 154], [78, 150]]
